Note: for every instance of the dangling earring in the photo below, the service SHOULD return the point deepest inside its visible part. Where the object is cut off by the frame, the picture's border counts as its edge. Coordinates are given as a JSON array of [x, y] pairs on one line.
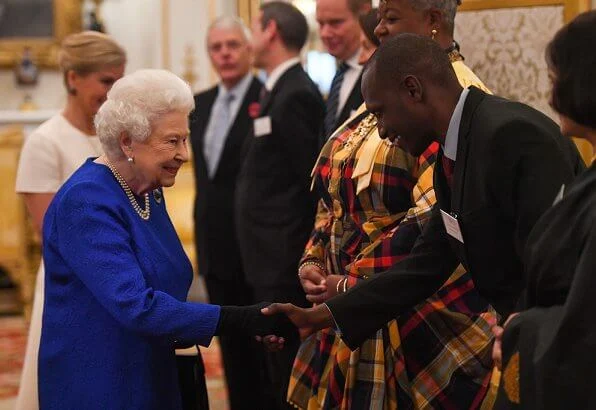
[[131, 160], [433, 34]]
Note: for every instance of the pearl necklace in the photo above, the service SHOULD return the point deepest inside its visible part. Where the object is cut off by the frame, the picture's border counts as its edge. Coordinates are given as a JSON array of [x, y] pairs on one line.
[[144, 214]]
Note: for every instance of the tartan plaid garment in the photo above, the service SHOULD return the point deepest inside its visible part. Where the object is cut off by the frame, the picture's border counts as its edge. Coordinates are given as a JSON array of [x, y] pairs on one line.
[[437, 355]]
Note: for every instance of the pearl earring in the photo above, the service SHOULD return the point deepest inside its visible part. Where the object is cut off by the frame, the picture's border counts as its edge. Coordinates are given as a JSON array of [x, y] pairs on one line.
[[434, 33], [131, 160]]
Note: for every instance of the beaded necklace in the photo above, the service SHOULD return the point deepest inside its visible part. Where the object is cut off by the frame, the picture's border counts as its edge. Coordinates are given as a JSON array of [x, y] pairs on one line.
[[143, 213]]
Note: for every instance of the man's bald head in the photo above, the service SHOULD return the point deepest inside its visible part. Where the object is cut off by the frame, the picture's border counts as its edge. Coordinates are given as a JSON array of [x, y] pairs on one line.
[[408, 54], [409, 84]]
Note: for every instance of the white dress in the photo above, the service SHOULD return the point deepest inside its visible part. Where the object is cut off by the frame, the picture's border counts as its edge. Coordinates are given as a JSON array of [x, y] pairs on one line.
[[49, 157]]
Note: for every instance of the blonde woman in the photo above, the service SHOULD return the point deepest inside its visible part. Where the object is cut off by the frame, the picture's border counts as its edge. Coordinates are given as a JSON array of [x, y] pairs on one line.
[[90, 62]]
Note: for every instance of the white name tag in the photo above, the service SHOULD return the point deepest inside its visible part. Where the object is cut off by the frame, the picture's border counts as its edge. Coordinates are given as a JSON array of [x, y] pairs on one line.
[[452, 226], [262, 126]]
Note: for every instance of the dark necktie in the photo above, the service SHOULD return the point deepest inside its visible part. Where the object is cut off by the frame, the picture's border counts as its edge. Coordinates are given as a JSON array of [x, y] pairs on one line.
[[333, 99], [448, 167], [264, 96]]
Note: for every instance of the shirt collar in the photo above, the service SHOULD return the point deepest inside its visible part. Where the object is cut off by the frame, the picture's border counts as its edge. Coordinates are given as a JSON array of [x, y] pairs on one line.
[[279, 71], [353, 61], [238, 90], [452, 137]]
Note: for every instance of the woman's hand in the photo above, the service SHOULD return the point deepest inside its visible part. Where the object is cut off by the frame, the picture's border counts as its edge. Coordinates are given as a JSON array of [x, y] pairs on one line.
[[497, 346], [331, 289], [312, 279]]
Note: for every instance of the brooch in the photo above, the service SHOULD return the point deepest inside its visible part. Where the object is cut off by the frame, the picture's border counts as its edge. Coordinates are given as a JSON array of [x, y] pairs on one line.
[[157, 195]]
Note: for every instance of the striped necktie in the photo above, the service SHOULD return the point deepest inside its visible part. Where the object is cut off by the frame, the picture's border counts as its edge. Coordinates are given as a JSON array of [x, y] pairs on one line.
[[333, 100]]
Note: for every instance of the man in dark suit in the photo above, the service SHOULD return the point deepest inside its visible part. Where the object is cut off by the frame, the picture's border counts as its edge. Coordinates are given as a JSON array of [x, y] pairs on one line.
[[274, 207], [219, 127], [340, 33], [500, 167]]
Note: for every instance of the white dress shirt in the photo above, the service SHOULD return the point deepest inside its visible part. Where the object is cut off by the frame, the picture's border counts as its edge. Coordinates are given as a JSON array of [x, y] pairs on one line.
[[350, 78], [279, 71], [452, 137]]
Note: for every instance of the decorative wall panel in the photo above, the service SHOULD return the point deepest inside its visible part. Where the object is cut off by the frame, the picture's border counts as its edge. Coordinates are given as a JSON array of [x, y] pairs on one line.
[[505, 48]]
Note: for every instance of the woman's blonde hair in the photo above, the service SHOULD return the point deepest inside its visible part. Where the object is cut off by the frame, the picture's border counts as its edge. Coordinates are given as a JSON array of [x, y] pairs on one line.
[[88, 52]]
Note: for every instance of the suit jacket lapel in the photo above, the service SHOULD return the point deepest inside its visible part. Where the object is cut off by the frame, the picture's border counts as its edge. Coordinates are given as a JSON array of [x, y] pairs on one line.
[[354, 100], [266, 104], [472, 101]]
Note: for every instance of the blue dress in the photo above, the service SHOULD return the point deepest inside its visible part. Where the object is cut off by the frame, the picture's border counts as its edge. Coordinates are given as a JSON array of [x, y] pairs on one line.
[[114, 300]]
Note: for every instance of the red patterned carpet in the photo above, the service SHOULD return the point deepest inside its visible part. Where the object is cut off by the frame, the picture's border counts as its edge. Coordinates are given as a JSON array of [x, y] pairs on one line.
[[13, 339]]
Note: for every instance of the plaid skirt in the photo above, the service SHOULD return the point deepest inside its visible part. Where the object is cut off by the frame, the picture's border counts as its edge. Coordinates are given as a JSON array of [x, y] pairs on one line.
[[436, 356]]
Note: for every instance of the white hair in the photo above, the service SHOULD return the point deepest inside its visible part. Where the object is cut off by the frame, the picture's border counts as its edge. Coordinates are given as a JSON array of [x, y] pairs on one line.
[[448, 7], [135, 101], [229, 23]]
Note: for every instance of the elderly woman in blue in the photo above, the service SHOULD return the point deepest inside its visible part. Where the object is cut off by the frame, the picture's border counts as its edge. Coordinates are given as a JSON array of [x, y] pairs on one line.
[[116, 273]]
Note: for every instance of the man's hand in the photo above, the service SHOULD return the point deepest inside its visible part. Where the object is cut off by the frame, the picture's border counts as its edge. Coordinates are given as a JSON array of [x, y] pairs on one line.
[[312, 279], [306, 320], [497, 346]]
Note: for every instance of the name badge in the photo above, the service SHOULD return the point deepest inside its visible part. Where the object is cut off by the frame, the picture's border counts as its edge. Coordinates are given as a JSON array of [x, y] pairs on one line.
[[262, 126], [452, 226]]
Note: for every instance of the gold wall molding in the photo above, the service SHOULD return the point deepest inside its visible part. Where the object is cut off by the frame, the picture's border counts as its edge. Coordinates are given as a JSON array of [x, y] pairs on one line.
[[571, 8], [213, 79], [247, 9], [19, 249], [44, 50], [165, 34]]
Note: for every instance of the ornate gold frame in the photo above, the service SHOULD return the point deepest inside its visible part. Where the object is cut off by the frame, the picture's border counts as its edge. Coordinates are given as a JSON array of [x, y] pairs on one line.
[[571, 7], [44, 50], [248, 8]]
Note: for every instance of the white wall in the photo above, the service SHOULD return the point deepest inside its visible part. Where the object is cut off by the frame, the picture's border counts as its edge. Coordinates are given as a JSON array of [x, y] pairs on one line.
[[137, 25]]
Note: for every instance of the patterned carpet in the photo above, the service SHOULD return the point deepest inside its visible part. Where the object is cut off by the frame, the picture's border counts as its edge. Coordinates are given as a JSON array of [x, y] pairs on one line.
[[13, 339]]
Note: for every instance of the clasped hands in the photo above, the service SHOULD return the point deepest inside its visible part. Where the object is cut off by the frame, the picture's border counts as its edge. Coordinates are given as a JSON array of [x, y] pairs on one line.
[[275, 323]]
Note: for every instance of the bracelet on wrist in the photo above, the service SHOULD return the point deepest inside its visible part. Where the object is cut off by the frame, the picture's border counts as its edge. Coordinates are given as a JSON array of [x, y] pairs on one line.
[[345, 285], [338, 285], [314, 263]]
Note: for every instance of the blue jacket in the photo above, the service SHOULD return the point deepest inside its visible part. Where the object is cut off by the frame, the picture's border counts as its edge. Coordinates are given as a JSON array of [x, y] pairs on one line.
[[115, 296]]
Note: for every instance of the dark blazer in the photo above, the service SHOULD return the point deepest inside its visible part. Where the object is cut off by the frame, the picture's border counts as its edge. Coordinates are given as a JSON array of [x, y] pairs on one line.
[[511, 162], [215, 232], [274, 206]]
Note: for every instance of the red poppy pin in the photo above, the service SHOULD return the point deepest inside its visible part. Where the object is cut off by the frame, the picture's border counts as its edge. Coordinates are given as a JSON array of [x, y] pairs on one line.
[[254, 109]]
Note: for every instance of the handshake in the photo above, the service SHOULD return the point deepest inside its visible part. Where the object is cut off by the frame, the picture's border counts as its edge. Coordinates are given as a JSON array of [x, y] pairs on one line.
[[250, 320], [275, 321]]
